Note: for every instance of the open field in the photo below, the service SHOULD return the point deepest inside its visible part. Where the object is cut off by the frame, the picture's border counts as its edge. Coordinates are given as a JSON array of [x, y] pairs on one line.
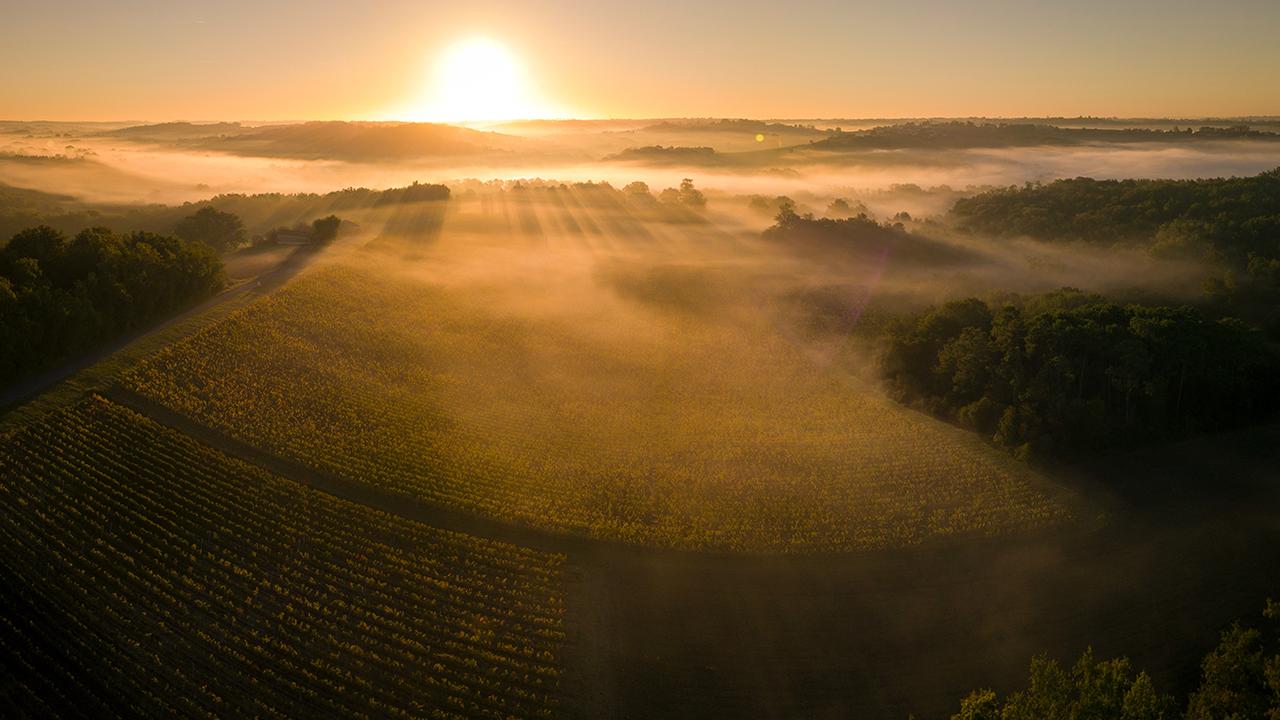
[[179, 581], [547, 397]]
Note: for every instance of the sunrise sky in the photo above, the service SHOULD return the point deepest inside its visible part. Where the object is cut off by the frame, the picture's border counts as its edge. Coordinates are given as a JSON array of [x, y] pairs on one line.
[[321, 59]]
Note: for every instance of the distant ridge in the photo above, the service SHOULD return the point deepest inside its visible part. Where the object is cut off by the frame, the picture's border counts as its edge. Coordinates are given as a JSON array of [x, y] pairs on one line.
[[336, 140]]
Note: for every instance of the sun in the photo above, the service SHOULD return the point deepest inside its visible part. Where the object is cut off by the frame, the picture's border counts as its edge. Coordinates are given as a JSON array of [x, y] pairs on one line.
[[477, 80]]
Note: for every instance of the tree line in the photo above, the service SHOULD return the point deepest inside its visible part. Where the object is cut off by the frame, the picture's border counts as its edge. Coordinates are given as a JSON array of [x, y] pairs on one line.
[[258, 213], [60, 296], [1066, 373], [1240, 680], [860, 236]]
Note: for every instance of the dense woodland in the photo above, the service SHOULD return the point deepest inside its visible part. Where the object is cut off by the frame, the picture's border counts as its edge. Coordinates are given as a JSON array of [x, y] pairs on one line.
[[60, 296], [1227, 218], [1231, 222], [1240, 679], [1066, 373]]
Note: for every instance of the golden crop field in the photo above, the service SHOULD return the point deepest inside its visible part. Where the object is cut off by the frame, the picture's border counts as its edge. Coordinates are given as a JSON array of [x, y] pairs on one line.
[[662, 429], [180, 582]]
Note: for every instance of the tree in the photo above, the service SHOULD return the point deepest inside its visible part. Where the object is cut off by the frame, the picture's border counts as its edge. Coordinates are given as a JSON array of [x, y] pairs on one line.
[[786, 218], [42, 244], [92, 248], [968, 362], [26, 273], [638, 193], [636, 188], [325, 229], [1234, 683], [979, 705], [221, 231], [1240, 681], [1101, 689], [691, 196]]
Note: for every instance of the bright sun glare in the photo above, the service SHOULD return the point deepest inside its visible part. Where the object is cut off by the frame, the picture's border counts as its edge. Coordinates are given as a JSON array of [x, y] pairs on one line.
[[479, 79]]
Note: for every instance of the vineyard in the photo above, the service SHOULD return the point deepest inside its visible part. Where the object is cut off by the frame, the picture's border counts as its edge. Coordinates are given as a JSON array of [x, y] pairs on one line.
[[145, 575], [658, 429]]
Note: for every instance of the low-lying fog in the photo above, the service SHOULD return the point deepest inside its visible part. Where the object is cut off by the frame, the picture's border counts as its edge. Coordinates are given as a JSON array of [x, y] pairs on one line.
[[94, 166], [714, 265], [89, 164]]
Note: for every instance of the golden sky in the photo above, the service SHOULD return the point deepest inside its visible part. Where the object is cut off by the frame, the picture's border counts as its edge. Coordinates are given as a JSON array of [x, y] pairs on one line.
[[233, 60]]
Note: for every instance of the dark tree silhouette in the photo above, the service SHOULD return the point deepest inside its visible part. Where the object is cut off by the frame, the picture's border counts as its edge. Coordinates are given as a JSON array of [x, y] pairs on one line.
[[1067, 373], [1240, 678], [220, 230], [691, 196], [60, 297], [325, 229]]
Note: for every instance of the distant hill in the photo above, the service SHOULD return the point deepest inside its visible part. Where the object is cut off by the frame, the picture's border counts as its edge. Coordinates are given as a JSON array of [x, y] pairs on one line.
[[734, 126], [335, 140], [171, 131], [545, 127], [55, 128], [801, 144], [22, 208], [11, 196], [665, 154], [1088, 121], [960, 135]]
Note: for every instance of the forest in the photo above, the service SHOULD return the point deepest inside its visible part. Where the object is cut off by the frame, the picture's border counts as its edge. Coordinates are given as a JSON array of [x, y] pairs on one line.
[[1228, 218], [1232, 223], [63, 295], [1066, 374]]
